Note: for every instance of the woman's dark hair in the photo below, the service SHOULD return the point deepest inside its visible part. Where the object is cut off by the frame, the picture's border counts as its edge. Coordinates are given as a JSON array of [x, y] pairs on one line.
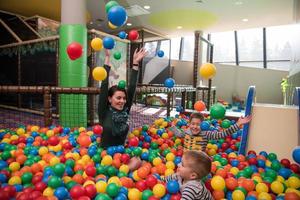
[[114, 89]]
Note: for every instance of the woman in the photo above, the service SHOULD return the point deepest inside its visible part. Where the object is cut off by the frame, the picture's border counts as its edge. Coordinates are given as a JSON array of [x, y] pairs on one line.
[[115, 103]]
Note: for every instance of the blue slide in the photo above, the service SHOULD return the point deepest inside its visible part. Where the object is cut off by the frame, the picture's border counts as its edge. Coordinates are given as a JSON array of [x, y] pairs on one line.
[[248, 111]]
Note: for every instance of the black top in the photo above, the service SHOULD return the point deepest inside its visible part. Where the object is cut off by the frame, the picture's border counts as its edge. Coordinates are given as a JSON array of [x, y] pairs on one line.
[[105, 111]]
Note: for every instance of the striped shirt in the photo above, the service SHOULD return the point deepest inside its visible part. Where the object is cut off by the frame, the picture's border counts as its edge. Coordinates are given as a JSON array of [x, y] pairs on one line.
[[199, 141], [191, 190]]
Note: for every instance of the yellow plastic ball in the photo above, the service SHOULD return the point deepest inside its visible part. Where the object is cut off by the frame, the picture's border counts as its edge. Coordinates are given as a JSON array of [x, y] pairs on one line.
[[54, 161], [169, 172], [264, 196], [67, 179], [170, 165], [234, 170], [97, 44], [280, 179], [293, 182], [110, 25], [238, 195], [115, 180], [14, 137], [257, 179], [57, 148], [89, 182], [34, 128], [14, 180], [76, 156], [20, 131], [170, 157], [277, 187], [211, 152], [135, 176], [134, 194], [81, 129], [156, 161], [48, 192], [177, 141], [107, 160], [99, 73], [124, 168], [49, 133], [261, 187], [207, 71], [101, 186], [14, 166], [136, 132], [159, 190], [165, 136], [218, 183], [6, 140]]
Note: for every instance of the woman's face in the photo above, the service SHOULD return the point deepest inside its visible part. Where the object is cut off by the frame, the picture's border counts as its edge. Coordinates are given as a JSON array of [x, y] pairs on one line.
[[117, 100]]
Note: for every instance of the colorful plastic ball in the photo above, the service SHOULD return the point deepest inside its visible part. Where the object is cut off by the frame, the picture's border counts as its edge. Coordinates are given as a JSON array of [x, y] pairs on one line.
[[217, 111], [97, 44], [296, 154], [108, 42], [110, 25], [74, 50], [101, 186], [159, 190], [261, 187], [54, 182], [207, 70], [151, 181], [14, 166], [109, 5], [225, 123], [218, 183], [173, 187], [264, 196], [291, 196], [99, 73], [133, 35], [238, 195], [14, 180], [117, 15], [117, 55], [277, 187], [122, 84], [146, 194], [26, 177], [102, 197], [59, 169], [160, 53], [199, 106], [134, 194], [122, 35], [169, 83], [98, 129], [77, 191], [90, 171], [3, 178], [90, 190], [294, 182], [61, 193]]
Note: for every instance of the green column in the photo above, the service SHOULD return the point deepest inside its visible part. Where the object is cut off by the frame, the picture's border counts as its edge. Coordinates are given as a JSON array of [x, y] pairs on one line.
[[72, 73]]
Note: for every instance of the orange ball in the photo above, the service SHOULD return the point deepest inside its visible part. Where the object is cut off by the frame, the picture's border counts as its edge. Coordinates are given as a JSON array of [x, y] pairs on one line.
[[127, 182], [142, 172], [36, 167], [291, 196], [116, 163], [78, 179], [21, 159], [222, 173], [248, 184], [199, 106], [84, 140], [218, 194], [231, 183]]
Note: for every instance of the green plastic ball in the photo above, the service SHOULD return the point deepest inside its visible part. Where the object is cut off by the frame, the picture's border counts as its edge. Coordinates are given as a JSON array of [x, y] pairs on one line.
[[112, 189], [109, 5], [146, 194], [217, 111], [59, 169], [225, 123], [26, 177], [117, 55], [54, 182], [122, 84]]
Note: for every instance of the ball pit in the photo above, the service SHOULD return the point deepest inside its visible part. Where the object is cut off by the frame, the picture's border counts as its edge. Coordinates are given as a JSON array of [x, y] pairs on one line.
[[62, 163]]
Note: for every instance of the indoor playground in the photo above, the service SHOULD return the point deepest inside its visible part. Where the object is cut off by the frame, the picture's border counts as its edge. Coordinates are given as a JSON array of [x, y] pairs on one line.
[[225, 59]]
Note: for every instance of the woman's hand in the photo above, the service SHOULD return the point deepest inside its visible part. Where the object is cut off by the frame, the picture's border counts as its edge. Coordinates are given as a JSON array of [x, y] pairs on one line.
[[244, 120], [139, 55]]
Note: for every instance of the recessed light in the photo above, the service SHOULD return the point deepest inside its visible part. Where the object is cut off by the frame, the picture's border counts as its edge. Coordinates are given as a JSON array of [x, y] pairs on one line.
[[91, 22], [129, 24], [238, 3], [147, 7], [245, 20], [179, 27]]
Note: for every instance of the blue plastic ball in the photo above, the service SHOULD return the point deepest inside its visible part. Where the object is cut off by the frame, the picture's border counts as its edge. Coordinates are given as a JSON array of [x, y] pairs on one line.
[[234, 163], [160, 53], [108, 43], [3, 178], [61, 193], [250, 198], [169, 83], [122, 35], [296, 154], [117, 15], [205, 126], [177, 160], [173, 187], [284, 172]]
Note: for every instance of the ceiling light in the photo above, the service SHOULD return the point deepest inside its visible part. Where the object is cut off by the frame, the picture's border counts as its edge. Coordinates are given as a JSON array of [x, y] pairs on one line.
[[91, 22], [129, 24], [179, 27], [147, 7], [245, 20], [238, 3]]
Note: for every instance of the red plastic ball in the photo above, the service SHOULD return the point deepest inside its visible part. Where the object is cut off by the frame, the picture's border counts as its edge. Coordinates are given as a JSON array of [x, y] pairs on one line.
[[90, 190], [151, 181], [295, 168], [40, 186], [286, 163], [53, 140], [74, 50], [141, 185], [90, 171], [134, 142], [133, 35], [125, 158], [175, 197], [98, 129], [77, 191]]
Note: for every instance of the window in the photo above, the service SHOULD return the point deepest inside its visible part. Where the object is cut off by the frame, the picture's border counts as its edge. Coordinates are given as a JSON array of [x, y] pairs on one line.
[[151, 48], [250, 47], [224, 49], [175, 48], [165, 47], [188, 48], [279, 46]]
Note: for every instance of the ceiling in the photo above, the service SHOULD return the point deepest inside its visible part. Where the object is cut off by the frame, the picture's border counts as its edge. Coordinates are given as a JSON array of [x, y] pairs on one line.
[[166, 15]]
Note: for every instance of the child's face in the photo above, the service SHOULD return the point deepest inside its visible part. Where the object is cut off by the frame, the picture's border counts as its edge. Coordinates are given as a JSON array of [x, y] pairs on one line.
[[184, 170], [195, 126]]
